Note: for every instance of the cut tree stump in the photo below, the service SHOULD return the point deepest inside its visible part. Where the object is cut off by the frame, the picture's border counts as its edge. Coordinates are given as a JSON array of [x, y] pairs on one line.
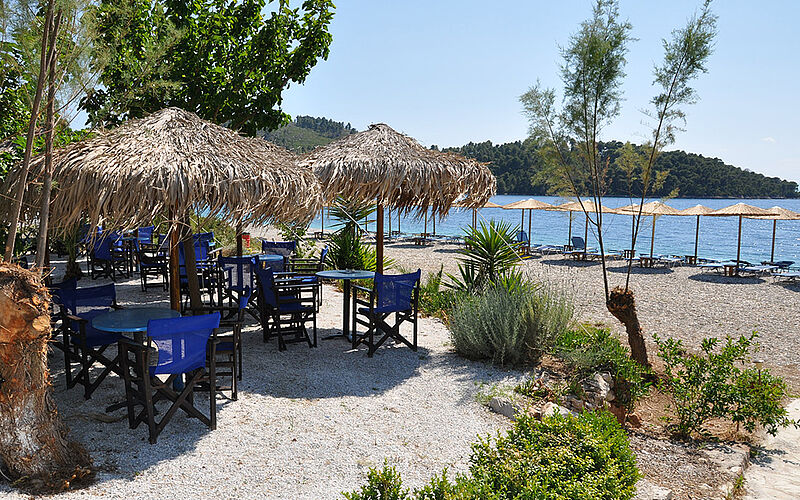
[[35, 451]]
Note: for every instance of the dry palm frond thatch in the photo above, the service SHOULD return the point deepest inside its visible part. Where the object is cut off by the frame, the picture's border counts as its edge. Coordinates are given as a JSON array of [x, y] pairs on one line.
[[395, 170], [174, 162]]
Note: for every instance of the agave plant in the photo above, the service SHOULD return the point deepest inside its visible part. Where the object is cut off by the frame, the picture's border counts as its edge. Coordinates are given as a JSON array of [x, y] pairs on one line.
[[489, 255]]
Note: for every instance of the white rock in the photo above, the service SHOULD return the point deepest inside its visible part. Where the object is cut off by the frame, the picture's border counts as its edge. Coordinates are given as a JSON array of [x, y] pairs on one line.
[[645, 490], [550, 408], [505, 407]]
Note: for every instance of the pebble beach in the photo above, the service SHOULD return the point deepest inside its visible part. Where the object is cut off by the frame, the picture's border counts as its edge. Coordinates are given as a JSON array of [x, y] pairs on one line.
[[310, 422]]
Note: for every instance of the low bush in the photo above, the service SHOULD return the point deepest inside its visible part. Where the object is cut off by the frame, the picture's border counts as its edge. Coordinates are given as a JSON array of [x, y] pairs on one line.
[[559, 457], [509, 326], [587, 350], [716, 383], [433, 299]]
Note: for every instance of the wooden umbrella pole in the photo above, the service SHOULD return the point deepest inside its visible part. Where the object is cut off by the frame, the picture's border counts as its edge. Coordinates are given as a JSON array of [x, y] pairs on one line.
[[739, 246], [425, 229], [433, 218], [399, 215], [379, 240], [522, 220], [586, 234], [772, 252], [322, 220], [696, 238], [653, 236], [390, 223], [174, 273], [569, 237], [530, 217]]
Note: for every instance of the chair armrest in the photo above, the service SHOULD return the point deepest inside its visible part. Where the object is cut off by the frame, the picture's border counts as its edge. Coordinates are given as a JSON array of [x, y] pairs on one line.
[[77, 319], [362, 289]]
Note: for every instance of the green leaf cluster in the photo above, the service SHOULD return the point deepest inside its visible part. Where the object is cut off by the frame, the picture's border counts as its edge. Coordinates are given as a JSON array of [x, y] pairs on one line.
[[559, 457], [717, 383], [228, 61]]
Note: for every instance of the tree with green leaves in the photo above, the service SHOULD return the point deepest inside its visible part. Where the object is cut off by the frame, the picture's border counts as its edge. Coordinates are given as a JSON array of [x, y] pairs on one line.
[[224, 60], [592, 73]]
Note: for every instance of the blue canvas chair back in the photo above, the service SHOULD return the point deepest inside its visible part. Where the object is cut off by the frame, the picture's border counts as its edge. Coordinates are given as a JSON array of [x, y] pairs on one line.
[[578, 243], [273, 246], [56, 288], [241, 271], [181, 342], [104, 244], [395, 291], [92, 297], [522, 237], [201, 252], [145, 234], [207, 238], [266, 282]]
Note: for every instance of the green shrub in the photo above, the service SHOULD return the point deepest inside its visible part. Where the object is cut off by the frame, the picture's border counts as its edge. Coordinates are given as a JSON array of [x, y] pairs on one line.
[[489, 254], [384, 484], [560, 457], [433, 300], [715, 384], [587, 350], [509, 326], [297, 233], [587, 456]]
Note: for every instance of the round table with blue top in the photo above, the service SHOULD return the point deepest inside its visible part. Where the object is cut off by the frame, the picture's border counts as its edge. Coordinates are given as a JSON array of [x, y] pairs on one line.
[[346, 275], [132, 320]]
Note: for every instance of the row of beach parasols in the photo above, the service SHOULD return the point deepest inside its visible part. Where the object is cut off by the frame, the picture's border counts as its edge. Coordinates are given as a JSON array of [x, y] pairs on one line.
[[655, 209]]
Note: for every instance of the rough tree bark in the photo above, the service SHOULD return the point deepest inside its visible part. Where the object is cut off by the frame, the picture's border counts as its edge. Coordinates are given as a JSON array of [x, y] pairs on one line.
[[622, 305], [34, 448]]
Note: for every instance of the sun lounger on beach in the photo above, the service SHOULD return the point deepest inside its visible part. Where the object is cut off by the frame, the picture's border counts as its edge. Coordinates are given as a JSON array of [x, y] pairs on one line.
[[762, 269], [595, 254], [670, 260], [786, 275]]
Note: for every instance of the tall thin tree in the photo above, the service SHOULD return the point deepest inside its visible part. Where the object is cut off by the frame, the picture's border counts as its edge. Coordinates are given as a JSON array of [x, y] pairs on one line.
[[593, 72]]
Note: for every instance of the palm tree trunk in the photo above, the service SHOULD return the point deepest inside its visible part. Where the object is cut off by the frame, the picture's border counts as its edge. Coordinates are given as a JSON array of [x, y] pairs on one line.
[[33, 439], [622, 305]]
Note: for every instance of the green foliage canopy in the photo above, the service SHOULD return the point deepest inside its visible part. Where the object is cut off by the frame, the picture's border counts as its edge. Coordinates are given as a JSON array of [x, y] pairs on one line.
[[224, 60]]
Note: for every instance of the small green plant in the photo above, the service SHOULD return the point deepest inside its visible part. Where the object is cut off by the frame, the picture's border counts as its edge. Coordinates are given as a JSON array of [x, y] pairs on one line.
[[297, 233], [433, 300], [383, 484], [560, 457], [490, 253], [716, 384], [509, 326], [587, 350]]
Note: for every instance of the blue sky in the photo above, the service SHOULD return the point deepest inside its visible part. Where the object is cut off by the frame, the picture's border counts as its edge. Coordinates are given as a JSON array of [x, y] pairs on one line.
[[448, 72]]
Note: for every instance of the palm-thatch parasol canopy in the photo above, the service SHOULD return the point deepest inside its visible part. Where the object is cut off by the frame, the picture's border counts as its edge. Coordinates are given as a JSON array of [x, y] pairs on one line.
[[780, 213], [393, 169], [651, 208], [174, 162], [488, 204], [740, 210], [697, 211], [654, 208]]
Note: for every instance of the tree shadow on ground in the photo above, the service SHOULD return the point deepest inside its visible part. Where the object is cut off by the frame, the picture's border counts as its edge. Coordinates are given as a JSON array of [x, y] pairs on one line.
[[726, 280], [570, 262], [641, 270]]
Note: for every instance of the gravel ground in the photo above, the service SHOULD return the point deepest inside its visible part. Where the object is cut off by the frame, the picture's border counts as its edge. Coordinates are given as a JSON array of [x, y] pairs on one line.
[[309, 422]]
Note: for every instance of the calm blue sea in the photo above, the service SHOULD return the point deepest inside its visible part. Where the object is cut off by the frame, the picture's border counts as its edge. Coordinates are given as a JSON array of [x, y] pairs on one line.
[[674, 235]]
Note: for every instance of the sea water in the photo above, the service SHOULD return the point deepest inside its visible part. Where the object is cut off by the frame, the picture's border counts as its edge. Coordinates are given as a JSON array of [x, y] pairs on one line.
[[674, 235]]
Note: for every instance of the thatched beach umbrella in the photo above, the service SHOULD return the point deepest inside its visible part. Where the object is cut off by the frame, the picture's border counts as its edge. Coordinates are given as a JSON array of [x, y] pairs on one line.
[[393, 169], [174, 163], [530, 205], [697, 211], [654, 208], [780, 214], [740, 210]]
